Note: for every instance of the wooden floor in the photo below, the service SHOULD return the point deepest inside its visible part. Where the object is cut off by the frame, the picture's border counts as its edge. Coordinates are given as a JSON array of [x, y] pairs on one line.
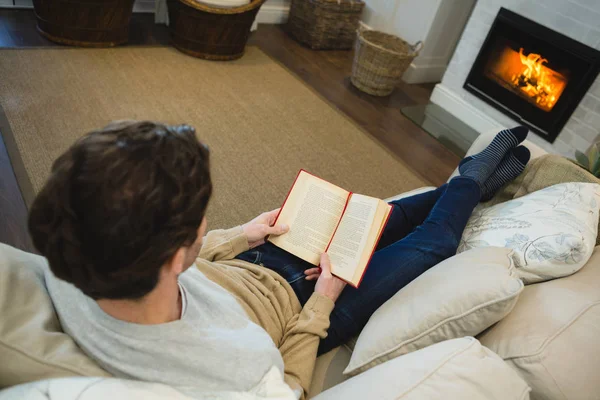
[[326, 72]]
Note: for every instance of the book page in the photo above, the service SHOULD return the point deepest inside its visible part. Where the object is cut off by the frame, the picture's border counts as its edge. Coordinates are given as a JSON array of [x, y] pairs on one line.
[[348, 244], [312, 211], [380, 220]]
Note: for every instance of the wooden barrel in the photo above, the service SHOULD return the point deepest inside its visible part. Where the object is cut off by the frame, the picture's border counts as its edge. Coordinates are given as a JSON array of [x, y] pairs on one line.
[[208, 32], [87, 23]]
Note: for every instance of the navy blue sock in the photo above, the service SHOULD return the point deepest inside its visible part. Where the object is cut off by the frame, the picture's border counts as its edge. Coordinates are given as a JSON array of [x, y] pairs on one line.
[[510, 167], [481, 166]]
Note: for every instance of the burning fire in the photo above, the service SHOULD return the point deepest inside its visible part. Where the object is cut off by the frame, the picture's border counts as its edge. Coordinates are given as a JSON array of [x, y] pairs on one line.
[[529, 77]]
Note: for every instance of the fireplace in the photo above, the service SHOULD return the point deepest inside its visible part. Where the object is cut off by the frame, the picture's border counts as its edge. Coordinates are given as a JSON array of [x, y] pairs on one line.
[[533, 74]]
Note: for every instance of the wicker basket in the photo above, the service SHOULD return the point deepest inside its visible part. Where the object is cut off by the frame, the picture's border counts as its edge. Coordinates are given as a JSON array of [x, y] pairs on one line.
[[208, 32], [100, 23], [325, 24], [380, 60]]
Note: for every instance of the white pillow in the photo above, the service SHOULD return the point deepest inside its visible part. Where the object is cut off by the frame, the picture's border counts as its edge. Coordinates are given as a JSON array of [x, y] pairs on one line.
[[459, 369], [271, 387], [461, 296], [552, 232]]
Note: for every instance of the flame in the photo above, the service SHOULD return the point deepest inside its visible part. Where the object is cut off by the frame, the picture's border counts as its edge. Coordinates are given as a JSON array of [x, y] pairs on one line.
[[530, 77]]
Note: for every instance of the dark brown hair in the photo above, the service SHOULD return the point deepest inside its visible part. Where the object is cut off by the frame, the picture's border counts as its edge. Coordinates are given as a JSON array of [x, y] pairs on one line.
[[119, 203]]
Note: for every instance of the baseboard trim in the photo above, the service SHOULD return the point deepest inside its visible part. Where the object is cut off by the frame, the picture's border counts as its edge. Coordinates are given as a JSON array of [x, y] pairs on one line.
[[148, 6], [457, 106], [424, 73], [272, 14]]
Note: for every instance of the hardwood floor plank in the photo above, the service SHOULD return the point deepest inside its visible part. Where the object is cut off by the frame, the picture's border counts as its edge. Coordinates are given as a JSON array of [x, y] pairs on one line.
[[13, 213]]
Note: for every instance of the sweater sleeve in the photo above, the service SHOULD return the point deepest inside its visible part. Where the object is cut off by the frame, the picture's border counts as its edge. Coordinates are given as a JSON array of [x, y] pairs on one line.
[[300, 342], [223, 244]]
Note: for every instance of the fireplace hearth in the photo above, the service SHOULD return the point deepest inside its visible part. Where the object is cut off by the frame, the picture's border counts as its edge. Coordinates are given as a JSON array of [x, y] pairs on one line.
[[535, 75]]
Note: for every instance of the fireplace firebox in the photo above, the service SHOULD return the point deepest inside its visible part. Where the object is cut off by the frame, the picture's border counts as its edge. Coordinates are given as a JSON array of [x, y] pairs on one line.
[[531, 73]]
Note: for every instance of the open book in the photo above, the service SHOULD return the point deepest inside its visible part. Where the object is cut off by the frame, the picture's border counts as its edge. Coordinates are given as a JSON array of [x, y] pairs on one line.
[[326, 218]]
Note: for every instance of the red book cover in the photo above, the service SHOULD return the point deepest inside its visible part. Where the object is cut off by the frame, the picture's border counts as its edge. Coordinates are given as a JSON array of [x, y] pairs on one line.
[[338, 224]]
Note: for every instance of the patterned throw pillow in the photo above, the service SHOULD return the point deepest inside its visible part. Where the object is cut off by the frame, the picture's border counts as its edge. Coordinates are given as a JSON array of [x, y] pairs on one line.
[[552, 231]]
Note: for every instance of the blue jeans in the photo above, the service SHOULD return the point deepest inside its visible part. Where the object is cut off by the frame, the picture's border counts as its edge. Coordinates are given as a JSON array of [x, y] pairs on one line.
[[422, 231]]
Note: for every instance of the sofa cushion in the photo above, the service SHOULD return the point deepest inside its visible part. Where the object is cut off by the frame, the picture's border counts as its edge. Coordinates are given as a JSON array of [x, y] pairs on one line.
[[552, 231], [552, 336], [540, 173], [80, 388], [271, 387], [460, 296], [459, 369], [329, 370], [30, 333]]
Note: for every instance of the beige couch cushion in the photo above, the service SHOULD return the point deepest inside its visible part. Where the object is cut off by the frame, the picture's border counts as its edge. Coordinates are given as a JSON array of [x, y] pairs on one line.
[[461, 296], [271, 387], [32, 344], [552, 336], [459, 369], [329, 370], [552, 232], [540, 173], [95, 389]]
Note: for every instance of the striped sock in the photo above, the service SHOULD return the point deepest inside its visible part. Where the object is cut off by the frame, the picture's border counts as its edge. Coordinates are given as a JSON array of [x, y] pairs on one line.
[[510, 167], [481, 166]]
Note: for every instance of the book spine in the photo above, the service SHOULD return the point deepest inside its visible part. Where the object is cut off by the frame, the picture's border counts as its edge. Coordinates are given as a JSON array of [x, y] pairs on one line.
[[338, 224], [294, 184]]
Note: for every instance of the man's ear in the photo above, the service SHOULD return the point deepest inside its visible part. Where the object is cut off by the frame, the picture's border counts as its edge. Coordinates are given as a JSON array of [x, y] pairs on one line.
[[176, 264], [202, 229]]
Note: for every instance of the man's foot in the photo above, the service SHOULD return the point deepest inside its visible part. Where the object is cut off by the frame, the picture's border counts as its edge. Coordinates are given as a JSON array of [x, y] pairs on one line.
[[510, 167], [481, 166]]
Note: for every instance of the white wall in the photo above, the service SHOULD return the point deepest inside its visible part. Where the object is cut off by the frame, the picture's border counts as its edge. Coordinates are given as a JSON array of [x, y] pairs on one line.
[[274, 12], [438, 23], [578, 19], [17, 3], [409, 19]]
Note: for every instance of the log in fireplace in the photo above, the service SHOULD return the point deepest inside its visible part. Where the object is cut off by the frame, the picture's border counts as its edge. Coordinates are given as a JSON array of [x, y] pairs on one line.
[[532, 73]]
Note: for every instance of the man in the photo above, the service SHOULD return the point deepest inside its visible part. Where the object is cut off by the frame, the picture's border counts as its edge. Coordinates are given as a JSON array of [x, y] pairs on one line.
[[121, 220]]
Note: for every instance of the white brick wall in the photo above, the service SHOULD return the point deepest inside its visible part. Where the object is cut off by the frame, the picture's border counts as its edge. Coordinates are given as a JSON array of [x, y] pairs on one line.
[[578, 19]]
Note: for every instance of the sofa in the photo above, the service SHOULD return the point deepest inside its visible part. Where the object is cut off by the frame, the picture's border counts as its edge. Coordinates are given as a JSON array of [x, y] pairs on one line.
[[476, 333]]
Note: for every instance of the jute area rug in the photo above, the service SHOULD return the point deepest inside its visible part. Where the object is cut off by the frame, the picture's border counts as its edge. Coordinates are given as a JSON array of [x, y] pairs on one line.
[[261, 123]]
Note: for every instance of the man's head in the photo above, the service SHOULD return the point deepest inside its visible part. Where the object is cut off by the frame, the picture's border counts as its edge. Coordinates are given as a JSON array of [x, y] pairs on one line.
[[121, 204]]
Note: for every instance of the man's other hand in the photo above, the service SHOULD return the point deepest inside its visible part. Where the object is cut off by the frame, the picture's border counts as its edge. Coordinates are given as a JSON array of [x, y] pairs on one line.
[[327, 284], [261, 226]]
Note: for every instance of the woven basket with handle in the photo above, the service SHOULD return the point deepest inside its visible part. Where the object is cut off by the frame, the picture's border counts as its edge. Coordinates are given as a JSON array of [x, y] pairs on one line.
[[325, 24], [380, 60]]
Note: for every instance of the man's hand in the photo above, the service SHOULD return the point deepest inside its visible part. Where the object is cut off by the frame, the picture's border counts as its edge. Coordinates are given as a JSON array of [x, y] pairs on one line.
[[327, 284], [261, 226]]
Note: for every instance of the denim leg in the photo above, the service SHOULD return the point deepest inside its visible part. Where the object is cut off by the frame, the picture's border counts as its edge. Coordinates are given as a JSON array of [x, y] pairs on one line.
[[407, 214], [396, 265], [290, 267]]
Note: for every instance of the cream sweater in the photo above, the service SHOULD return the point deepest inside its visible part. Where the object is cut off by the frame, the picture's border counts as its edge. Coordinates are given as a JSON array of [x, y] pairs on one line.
[[270, 302], [239, 322]]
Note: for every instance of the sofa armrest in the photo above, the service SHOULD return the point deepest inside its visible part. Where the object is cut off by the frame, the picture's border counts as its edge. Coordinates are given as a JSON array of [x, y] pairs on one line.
[[456, 369], [410, 193], [486, 138]]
